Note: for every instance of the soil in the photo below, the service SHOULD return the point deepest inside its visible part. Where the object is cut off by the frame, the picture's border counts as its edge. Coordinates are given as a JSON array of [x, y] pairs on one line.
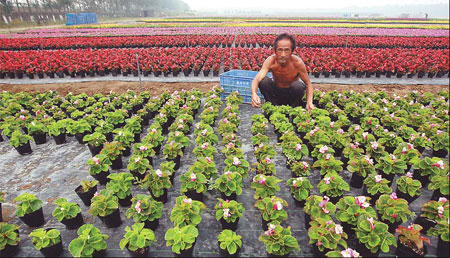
[[157, 88]]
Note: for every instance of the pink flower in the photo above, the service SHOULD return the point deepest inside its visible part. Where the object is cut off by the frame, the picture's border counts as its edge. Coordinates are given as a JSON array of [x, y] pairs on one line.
[[326, 180], [404, 150], [204, 145], [371, 222], [298, 147], [154, 130], [409, 174], [22, 118], [439, 164], [204, 132], [96, 160], [393, 196], [442, 199], [323, 149], [332, 124], [38, 112], [305, 165], [96, 194], [368, 159], [137, 159], [208, 159], [158, 173], [138, 207], [338, 229], [374, 145], [361, 201], [349, 253], [440, 211], [328, 156], [193, 177], [319, 243], [268, 160], [143, 148], [187, 200], [378, 178], [236, 161], [340, 131], [394, 215], [365, 135], [323, 203], [226, 213], [410, 146], [294, 183], [277, 206]]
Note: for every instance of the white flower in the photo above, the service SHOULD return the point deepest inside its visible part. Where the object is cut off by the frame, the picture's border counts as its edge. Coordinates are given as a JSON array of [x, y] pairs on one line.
[[279, 206], [137, 159], [228, 172], [323, 149], [193, 177], [326, 180], [298, 147], [338, 229], [226, 213], [143, 148], [305, 165], [138, 207], [378, 178], [204, 132], [409, 174], [332, 124], [368, 159], [96, 160], [294, 183], [188, 200], [340, 131], [374, 145], [442, 199], [365, 135], [236, 161], [393, 196]]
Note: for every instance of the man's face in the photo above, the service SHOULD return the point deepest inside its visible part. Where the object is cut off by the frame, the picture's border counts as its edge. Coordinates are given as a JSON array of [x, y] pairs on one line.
[[283, 51]]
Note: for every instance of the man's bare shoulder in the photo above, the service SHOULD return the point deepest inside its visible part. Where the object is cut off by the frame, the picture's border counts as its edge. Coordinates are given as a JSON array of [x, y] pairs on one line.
[[297, 60]]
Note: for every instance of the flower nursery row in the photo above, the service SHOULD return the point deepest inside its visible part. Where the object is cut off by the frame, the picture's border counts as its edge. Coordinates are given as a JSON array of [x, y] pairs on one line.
[[242, 40], [90, 62], [190, 30]]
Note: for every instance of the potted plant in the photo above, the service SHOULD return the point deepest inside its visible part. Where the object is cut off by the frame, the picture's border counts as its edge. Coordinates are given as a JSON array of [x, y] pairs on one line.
[[99, 167], [2, 200], [229, 243], [205, 166], [440, 143], [360, 166], [410, 242], [29, 209], [137, 240], [373, 236], [193, 185], [90, 242], [260, 138], [393, 210], [318, 207], [120, 184], [154, 137], [95, 142], [38, 131], [146, 210], [349, 210], [157, 182], [206, 136], [441, 230], [79, 128], [204, 150], [186, 212], [440, 184], [58, 131], [144, 150], [21, 142], [106, 129], [105, 205], [68, 213], [47, 241], [389, 165], [86, 191], [229, 185], [426, 167], [182, 239], [300, 188], [265, 186], [228, 213], [271, 209], [113, 150], [278, 240], [9, 239], [376, 185], [408, 188], [334, 186], [300, 169], [348, 252], [180, 138], [172, 152], [138, 166], [126, 138], [326, 235]]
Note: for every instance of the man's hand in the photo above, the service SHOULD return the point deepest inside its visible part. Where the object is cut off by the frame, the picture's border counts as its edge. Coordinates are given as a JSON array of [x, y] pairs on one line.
[[256, 101], [309, 107]]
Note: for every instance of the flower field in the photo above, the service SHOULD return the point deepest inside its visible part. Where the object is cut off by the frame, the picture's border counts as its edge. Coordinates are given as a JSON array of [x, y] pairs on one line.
[[199, 173]]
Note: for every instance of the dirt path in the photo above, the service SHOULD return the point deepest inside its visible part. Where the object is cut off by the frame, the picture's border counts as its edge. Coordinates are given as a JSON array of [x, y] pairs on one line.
[[157, 88]]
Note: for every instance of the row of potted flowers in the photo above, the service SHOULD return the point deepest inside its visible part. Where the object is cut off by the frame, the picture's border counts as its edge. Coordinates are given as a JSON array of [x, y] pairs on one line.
[[361, 61]]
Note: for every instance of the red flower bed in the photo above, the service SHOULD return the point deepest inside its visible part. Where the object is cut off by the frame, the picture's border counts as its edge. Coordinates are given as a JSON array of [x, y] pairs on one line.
[[176, 59]]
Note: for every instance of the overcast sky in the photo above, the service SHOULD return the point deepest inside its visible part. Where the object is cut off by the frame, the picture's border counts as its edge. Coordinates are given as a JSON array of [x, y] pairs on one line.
[[298, 4]]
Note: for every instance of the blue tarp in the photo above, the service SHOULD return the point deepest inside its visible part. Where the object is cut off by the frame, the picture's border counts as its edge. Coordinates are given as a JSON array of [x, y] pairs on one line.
[[81, 18]]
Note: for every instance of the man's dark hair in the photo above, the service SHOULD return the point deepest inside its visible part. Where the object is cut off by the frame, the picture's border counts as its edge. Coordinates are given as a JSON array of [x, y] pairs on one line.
[[285, 36]]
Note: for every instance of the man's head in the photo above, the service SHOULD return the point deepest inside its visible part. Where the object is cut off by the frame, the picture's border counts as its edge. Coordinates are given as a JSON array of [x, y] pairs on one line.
[[284, 46]]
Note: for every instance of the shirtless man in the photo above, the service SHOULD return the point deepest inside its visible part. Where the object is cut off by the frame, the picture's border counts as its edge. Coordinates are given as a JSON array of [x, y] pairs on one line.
[[285, 89]]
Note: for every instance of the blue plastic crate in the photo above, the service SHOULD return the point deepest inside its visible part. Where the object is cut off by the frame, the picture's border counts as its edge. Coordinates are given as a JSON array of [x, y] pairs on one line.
[[72, 19], [240, 81]]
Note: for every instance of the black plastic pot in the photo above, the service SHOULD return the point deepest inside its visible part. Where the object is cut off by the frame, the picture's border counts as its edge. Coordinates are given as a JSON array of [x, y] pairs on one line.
[[348, 228], [392, 226], [127, 151], [112, 220], [163, 198], [138, 175], [425, 223], [39, 138], [1, 217], [102, 177], [389, 177], [373, 198], [109, 137], [157, 149], [95, 149], [24, 149], [364, 251], [34, 219], [80, 136], [423, 179], [187, 252], [137, 137], [86, 196], [405, 251], [54, 250], [117, 163], [297, 202], [126, 202], [442, 248], [194, 195], [9, 250], [73, 223], [356, 181], [232, 197], [317, 253], [177, 162], [60, 139], [153, 225], [141, 252], [229, 225], [437, 194], [440, 153]]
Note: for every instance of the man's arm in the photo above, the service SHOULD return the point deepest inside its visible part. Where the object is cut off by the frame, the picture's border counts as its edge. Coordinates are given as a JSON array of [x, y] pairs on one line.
[[256, 101], [309, 89]]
